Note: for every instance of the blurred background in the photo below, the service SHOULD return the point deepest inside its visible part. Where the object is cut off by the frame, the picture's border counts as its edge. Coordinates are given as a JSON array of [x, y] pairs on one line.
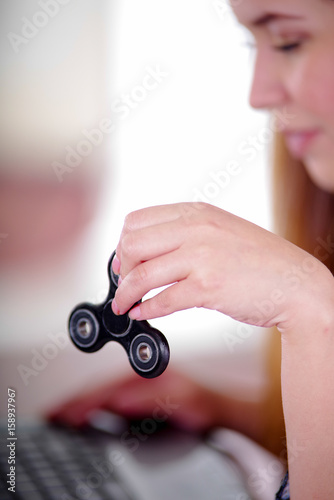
[[107, 107]]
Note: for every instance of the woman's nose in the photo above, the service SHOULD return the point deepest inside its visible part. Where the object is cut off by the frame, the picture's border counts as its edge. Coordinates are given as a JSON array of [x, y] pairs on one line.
[[267, 91]]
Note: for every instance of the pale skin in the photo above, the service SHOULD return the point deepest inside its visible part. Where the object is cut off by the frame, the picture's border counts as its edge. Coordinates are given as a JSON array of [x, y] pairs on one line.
[[213, 259]]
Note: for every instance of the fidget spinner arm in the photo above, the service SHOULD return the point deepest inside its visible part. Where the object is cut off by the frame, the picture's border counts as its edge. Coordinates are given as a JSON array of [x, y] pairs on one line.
[[91, 326]]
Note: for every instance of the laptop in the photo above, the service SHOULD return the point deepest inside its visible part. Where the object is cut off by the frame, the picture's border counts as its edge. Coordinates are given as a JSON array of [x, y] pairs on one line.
[[111, 460]]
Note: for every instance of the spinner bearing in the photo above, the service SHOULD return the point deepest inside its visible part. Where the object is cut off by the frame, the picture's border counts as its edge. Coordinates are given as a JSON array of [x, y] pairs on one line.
[[91, 326]]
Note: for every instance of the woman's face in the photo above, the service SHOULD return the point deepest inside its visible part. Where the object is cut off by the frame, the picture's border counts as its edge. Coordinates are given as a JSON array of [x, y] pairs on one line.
[[294, 75]]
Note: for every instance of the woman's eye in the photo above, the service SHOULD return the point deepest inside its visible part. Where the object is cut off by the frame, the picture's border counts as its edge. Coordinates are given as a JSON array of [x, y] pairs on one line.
[[288, 47]]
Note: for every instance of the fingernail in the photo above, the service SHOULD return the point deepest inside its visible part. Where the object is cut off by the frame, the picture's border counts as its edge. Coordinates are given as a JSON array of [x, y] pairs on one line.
[[115, 308], [135, 313], [116, 265]]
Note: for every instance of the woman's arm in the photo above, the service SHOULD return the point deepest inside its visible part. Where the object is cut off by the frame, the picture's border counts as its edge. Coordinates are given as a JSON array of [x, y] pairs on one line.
[[213, 259], [308, 396]]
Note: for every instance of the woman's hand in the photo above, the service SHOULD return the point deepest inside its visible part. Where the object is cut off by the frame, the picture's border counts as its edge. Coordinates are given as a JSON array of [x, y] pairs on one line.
[[188, 404], [211, 259]]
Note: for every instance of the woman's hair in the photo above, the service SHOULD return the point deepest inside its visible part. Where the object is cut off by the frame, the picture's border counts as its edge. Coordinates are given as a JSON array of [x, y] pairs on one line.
[[303, 213]]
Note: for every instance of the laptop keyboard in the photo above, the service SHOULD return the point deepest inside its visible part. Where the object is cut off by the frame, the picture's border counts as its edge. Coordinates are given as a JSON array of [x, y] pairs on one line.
[[56, 463]]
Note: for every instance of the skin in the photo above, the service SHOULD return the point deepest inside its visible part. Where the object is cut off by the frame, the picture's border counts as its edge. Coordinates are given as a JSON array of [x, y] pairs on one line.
[[213, 259], [293, 72], [199, 408]]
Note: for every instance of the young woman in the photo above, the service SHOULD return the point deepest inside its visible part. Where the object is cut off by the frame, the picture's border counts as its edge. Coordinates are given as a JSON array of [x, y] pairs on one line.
[[213, 259]]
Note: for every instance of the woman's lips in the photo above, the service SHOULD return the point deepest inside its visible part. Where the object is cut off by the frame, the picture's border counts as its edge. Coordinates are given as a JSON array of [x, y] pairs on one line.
[[298, 142]]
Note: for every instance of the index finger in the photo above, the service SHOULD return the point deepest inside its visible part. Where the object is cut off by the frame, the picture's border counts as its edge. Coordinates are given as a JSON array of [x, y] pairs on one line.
[[147, 217]]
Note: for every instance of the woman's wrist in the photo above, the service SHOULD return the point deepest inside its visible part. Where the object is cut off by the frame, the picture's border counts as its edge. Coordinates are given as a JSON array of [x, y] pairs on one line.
[[310, 304]]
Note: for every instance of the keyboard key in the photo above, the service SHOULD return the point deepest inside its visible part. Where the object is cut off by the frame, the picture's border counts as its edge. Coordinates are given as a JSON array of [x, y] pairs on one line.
[[45, 473], [61, 493], [51, 482], [26, 487], [115, 492], [32, 495]]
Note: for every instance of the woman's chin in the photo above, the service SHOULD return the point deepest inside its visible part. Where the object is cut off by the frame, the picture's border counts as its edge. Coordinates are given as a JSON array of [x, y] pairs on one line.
[[321, 172]]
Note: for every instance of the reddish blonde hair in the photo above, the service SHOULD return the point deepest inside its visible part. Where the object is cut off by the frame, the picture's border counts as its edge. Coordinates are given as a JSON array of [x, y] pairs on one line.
[[304, 215]]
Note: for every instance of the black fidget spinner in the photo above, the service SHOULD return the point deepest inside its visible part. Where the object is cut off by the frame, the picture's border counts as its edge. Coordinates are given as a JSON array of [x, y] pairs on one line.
[[91, 326]]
